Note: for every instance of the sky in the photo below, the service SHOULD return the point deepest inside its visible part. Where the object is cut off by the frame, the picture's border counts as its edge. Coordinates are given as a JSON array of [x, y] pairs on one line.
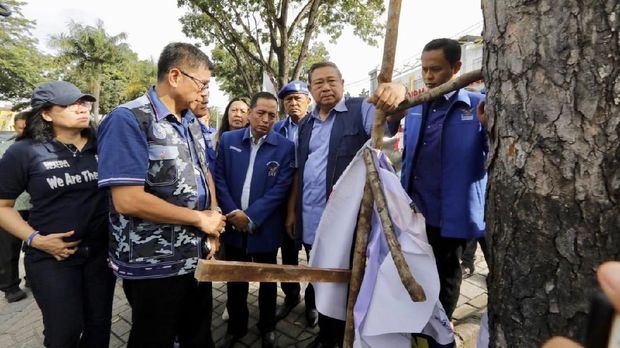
[[151, 24]]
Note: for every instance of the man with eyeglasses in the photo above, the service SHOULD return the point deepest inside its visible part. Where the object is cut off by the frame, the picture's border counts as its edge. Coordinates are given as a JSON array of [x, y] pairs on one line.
[[164, 214]]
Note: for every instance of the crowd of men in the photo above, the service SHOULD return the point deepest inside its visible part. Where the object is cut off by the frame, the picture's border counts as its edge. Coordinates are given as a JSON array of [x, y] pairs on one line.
[[175, 197]]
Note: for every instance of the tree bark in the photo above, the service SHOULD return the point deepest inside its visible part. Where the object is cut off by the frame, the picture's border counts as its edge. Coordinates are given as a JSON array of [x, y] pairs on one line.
[[97, 95], [554, 165]]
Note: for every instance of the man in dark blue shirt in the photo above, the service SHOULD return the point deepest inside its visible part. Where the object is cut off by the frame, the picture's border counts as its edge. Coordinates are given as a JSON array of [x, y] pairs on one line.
[[254, 171], [443, 164], [152, 158]]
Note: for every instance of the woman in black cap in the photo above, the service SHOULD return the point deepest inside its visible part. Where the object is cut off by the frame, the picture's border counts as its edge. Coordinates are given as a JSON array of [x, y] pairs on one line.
[[66, 234]]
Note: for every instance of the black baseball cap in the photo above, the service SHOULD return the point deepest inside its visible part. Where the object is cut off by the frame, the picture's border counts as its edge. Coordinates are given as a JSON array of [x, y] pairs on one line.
[[57, 93]]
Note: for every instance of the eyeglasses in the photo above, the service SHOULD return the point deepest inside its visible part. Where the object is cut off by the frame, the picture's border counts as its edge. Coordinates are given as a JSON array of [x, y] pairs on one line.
[[80, 103], [202, 85]]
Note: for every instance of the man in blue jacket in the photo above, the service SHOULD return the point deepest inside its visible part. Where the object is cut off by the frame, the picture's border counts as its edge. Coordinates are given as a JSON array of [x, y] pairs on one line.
[[253, 173], [200, 109], [295, 99], [444, 165]]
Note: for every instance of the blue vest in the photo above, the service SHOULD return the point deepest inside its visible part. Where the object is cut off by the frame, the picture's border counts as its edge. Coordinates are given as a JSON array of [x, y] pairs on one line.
[[463, 175], [139, 248], [347, 136]]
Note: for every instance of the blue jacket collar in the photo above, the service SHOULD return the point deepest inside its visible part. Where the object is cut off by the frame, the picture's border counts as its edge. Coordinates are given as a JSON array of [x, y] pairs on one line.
[[463, 96], [161, 111], [341, 106], [271, 138]]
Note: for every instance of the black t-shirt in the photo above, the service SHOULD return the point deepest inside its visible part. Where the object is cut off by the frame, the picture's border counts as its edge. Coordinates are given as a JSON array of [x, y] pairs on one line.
[[62, 187]]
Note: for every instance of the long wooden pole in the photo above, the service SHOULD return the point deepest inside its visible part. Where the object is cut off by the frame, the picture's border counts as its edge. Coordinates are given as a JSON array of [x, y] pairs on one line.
[[387, 67], [416, 292], [359, 259], [378, 128], [234, 271]]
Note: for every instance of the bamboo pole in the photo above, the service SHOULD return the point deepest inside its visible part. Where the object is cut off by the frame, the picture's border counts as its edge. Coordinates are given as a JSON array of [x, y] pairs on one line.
[[452, 85]]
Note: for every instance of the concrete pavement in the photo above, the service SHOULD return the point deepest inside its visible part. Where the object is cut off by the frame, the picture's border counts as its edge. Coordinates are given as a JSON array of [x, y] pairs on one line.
[[21, 325]]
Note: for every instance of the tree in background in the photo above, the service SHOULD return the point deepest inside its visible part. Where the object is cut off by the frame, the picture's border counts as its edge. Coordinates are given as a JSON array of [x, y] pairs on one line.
[[95, 61], [88, 51], [215, 117], [253, 37], [22, 66], [553, 216]]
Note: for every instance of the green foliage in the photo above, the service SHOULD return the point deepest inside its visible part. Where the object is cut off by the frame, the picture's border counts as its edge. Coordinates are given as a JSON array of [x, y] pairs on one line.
[[214, 115], [252, 37], [234, 77], [87, 56], [21, 64], [103, 64], [86, 53]]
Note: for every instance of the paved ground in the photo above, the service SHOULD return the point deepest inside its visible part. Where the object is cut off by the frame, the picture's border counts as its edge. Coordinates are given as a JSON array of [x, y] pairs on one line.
[[21, 326]]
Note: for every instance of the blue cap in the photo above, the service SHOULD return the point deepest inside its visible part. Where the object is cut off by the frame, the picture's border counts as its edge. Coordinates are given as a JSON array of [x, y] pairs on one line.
[[57, 93], [294, 86]]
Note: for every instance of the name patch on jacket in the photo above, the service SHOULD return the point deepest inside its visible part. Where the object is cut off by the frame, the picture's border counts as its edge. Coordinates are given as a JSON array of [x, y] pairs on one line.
[[466, 114], [272, 168]]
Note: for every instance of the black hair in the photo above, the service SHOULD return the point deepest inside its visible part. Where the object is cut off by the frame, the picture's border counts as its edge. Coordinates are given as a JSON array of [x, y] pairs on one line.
[[42, 131], [183, 56], [224, 125], [262, 95], [20, 116], [322, 65], [451, 49]]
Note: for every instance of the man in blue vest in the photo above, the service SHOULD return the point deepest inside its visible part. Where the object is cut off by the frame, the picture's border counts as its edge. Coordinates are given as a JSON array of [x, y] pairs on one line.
[[444, 164], [162, 212], [295, 99], [328, 139], [253, 174], [202, 113]]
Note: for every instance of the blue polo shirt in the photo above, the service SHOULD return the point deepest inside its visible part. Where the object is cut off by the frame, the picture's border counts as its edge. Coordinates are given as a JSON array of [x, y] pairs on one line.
[[314, 180], [62, 186], [426, 178], [209, 133], [124, 150]]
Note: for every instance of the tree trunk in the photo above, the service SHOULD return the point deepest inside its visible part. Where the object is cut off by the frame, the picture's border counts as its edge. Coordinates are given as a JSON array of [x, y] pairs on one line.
[[97, 94], [554, 162]]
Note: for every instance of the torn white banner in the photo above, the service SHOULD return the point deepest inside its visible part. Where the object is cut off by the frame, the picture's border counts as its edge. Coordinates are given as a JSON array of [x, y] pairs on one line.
[[385, 316]]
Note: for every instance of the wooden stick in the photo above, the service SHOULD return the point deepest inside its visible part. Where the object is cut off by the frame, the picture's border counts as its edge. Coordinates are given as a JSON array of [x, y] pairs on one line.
[[416, 292], [233, 271], [452, 85], [378, 129], [359, 260], [387, 68]]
